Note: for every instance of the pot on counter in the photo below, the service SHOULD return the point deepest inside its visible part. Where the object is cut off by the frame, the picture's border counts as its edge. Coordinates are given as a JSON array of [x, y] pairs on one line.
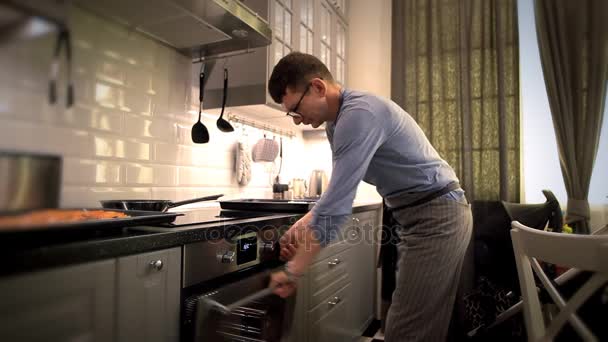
[[29, 181]]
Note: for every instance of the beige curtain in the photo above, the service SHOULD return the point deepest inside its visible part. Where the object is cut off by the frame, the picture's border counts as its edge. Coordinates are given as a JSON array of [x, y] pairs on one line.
[[455, 70], [573, 41]]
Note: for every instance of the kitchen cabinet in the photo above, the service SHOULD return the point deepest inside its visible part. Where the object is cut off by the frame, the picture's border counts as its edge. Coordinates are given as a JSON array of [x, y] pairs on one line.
[[363, 268], [332, 38], [74, 303], [335, 298], [131, 298], [317, 27], [148, 296], [330, 317]]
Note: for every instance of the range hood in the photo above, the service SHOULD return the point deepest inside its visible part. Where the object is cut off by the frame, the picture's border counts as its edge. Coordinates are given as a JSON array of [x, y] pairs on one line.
[[208, 27]]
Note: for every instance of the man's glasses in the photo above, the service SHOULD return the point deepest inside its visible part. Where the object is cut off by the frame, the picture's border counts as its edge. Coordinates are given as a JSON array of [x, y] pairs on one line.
[[294, 112]]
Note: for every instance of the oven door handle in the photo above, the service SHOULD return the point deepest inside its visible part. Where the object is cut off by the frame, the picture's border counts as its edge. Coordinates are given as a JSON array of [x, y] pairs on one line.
[[226, 309], [251, 298]]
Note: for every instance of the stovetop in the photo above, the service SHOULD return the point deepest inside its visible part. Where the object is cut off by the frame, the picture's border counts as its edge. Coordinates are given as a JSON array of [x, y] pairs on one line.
[[212, 215]]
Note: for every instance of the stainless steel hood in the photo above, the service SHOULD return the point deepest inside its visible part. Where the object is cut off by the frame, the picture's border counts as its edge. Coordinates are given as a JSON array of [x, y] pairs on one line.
[[209, 27]]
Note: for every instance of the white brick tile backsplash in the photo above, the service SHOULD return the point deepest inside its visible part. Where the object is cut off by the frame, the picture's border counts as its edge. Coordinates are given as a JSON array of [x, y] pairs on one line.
[[25, 105], [221, 159], [136, 150], [153, 175], [84, 172], [198, 176], [165, 176], [140, 127], [120, 148], [137, 101], [79, 197], [129, 133], [166, 153], [139, 175], [110, 71], [71, 142], [107, 95], [96, 118]]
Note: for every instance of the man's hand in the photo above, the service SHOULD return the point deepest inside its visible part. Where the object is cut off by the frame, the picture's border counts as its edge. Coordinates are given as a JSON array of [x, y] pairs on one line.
[[292, 238], [282, 285], [288, 251]]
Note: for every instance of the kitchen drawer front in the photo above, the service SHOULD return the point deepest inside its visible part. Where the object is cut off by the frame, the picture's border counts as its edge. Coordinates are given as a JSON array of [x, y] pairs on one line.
[[329, 303], [365, 215], [331, 249], [329, 321], [318, 296], [327, 271]]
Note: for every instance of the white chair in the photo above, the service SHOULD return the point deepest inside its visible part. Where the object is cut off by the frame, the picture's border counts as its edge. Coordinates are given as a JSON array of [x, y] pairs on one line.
[[582, 252]]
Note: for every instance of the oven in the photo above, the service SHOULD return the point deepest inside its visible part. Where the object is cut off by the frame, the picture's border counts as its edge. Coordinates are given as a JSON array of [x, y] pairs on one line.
[[225, 270]]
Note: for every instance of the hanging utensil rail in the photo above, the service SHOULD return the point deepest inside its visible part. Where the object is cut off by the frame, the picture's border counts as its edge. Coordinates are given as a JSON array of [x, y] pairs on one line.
[[203, 59], [262, 126]]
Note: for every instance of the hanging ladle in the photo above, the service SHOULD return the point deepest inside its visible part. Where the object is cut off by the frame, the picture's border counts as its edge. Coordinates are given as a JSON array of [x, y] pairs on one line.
[[200, 134], [222, 124]]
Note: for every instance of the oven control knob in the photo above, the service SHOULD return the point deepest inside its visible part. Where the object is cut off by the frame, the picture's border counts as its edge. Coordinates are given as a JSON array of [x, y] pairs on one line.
[[267, 247], [269, 251], [226, 257]]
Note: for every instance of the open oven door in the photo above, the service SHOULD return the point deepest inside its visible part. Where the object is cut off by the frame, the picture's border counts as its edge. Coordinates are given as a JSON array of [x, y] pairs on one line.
[[268, 319]]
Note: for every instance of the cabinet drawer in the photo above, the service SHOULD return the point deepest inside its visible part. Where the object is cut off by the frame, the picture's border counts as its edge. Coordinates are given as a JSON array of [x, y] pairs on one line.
[[327, 271], [317, 297], [331, 249], [364, 215], [330, 302]]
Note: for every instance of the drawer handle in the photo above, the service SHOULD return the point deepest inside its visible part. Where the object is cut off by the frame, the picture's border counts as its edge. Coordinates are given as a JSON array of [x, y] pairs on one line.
[[334, 262], [334, 301], [157, 265]]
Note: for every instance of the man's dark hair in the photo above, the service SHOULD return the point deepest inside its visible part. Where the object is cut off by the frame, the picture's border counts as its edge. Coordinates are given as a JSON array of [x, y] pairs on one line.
[[294, 71]]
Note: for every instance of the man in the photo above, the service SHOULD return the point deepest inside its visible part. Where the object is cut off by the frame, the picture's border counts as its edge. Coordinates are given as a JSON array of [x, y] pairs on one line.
[[374, 140]]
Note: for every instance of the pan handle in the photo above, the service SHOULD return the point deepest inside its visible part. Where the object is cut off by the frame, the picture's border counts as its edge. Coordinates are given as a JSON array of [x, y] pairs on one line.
[[194, 200]]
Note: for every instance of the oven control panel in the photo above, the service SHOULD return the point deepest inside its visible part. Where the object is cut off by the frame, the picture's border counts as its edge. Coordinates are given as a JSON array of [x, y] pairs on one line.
[[209, 259]]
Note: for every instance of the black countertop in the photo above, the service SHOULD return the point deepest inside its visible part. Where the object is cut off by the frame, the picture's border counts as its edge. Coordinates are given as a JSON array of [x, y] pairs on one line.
[[46, 250]]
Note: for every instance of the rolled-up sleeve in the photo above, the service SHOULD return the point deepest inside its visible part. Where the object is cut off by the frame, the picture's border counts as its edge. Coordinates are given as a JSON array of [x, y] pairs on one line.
[[357, 136]]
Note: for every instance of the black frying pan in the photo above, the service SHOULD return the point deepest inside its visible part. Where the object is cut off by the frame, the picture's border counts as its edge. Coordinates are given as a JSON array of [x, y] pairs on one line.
[[153, 205]]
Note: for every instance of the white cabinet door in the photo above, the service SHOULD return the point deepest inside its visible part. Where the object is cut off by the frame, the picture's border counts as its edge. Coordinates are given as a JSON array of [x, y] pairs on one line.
[[75, 303], [363, 270], [331, 28], [326, 39], [148, 296], [341, 37], [282, 21], [306, 29], [330, 319]]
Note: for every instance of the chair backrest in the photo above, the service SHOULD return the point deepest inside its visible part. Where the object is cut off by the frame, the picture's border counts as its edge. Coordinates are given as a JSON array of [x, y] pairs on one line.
[[584, 252], [537, 215]]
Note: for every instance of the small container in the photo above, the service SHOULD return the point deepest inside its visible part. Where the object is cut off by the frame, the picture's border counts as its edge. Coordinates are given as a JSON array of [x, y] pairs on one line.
[[279, 190]]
